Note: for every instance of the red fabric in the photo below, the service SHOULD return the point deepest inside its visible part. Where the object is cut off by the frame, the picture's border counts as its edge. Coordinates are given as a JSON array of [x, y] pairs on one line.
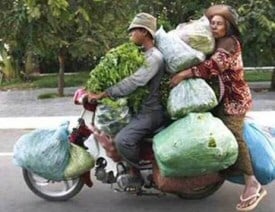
[[78, 136], [229, 66], [86, 178]]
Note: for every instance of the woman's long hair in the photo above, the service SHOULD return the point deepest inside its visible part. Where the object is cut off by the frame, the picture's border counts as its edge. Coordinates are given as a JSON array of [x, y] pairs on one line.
[[234, 31]]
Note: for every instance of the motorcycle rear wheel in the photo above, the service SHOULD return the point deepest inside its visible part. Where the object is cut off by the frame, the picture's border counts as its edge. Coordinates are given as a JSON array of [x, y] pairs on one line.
[[202, 192], [52, 190]]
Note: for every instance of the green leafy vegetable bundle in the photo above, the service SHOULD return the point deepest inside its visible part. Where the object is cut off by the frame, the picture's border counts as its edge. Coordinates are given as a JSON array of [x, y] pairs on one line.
[[117, 64]]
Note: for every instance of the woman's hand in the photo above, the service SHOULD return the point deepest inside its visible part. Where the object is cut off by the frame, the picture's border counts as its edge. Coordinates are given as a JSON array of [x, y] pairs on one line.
[[177, 78]]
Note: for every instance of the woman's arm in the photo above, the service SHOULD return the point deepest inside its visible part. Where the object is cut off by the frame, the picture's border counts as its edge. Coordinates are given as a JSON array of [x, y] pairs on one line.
[[220, 61], [214, 66], [177, 78]]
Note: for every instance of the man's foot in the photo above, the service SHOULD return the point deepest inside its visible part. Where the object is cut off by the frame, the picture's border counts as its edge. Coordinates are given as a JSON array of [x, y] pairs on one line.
[[130, 183], [251, 202]]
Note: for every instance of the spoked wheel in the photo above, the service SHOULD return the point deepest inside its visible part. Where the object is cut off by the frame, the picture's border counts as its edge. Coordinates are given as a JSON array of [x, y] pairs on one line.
[[52, 190], [201, 192]]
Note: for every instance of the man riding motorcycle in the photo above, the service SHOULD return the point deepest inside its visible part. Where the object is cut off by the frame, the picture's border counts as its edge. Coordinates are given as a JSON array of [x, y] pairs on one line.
[[151, 115]]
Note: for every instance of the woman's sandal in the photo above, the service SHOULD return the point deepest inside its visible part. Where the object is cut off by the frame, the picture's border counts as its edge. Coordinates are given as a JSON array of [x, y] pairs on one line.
[[258, 196]]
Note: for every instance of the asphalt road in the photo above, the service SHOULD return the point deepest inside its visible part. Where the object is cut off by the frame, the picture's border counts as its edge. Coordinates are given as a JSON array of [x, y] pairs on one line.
[[15, 196], [25, 103]]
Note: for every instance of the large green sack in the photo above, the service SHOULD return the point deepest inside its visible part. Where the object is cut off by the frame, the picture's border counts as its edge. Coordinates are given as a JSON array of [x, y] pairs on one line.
[[80, 162], [192, 95], [197, 34], [195, 145], [177, 54]]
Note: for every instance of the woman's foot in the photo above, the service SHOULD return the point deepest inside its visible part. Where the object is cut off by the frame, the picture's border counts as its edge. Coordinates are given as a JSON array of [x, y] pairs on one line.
[[251, 197]]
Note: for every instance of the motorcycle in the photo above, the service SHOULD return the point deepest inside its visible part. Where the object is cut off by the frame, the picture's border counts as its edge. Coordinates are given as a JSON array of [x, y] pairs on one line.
[[111, 169]]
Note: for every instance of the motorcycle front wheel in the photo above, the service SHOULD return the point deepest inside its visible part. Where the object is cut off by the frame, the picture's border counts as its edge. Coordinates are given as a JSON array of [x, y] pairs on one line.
[[52, 190]]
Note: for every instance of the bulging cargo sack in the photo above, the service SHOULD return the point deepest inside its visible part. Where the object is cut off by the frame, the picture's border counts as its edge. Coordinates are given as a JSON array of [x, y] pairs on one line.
[[44, 152], [261, 144], [110, 119], [80, 162], [197, 34], [194, 145], [177, 54], [269, 130], [186, 184], [192, 95]]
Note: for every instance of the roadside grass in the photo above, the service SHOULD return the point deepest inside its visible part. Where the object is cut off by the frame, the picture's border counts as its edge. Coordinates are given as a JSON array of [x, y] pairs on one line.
[[46, 81], [47, 96], [258, 76]]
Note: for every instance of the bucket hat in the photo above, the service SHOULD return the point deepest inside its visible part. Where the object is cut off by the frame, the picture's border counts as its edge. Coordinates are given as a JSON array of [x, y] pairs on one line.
[[146, 21]]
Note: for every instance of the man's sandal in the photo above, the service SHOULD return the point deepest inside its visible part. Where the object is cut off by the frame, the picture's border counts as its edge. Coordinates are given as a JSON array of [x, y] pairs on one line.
[[258, 196]]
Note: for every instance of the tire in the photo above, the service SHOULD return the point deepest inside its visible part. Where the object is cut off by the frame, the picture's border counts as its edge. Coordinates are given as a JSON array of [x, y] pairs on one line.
[[202, 192], [52, 190]]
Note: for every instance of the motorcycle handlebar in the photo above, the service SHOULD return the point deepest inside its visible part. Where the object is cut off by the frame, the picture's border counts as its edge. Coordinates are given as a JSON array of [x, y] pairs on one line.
[[81, 98], [89, 105], [93, 102]]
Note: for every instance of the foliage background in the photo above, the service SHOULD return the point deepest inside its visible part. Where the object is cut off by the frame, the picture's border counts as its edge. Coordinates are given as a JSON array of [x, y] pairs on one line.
[[71, 35]]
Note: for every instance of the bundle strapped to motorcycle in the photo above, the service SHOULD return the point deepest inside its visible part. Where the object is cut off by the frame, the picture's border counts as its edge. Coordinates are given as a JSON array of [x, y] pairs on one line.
[[110, 168]]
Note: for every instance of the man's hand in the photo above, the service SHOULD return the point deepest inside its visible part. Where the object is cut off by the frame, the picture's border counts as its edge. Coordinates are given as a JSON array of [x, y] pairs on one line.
[[93, 96]]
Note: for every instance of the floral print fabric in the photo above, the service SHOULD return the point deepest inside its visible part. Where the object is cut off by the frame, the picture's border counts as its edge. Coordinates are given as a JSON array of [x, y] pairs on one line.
[[228, 65]]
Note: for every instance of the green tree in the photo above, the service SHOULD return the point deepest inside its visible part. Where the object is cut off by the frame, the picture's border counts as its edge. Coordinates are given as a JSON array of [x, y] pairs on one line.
[[8, 12], [63, 28], [257, 24], [7, 64], [80, 29], [58, 28]]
